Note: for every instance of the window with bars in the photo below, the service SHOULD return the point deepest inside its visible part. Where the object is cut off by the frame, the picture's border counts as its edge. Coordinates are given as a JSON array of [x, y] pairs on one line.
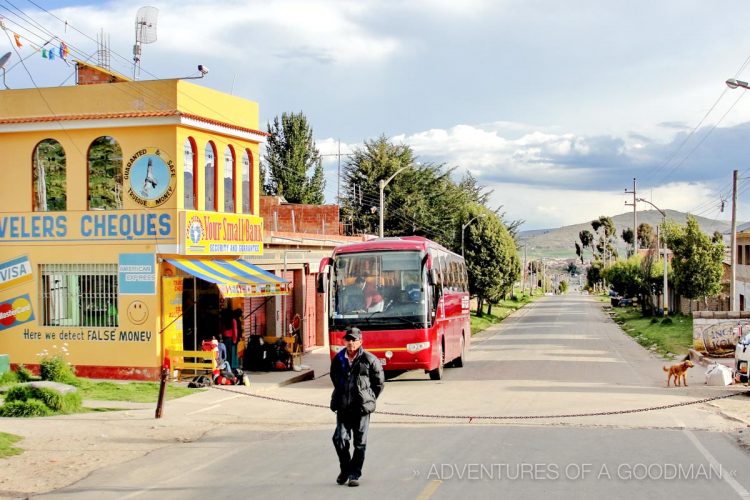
[[78, 294]]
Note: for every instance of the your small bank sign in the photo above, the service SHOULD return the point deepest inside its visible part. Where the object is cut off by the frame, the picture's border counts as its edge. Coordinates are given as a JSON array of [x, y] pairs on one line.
[[14, 272]]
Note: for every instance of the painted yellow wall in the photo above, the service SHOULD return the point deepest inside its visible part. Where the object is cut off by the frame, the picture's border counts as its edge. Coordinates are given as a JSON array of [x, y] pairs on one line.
[[127, 97], [87, 345]]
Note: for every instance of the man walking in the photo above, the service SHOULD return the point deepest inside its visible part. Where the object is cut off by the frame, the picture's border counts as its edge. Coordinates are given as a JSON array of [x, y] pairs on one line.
[[358, 380]]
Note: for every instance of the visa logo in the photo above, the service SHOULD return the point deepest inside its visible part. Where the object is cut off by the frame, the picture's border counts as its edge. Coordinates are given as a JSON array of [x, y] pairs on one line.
[[14, 272]]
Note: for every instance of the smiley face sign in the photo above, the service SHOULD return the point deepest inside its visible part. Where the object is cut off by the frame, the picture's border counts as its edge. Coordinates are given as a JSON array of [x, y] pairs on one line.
[[137, 312]]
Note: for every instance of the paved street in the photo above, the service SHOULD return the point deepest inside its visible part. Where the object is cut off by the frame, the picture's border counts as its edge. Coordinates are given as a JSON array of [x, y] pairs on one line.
[[558, 356]]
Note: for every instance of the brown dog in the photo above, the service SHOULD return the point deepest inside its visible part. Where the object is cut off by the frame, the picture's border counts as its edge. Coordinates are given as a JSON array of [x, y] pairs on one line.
[[677, 371]]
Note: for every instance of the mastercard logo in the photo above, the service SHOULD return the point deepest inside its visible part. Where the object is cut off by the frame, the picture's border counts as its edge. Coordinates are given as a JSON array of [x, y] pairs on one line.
[[15, 311]]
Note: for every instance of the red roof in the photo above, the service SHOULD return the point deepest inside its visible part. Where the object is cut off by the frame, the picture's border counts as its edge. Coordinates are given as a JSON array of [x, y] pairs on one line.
[[132, 114]]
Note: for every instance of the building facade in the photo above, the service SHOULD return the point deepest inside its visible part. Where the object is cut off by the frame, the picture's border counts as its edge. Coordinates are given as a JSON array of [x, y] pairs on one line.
[[127, 213]]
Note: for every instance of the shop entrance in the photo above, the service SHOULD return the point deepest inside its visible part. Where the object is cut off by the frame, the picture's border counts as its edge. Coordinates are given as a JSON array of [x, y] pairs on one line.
[[201, 322]]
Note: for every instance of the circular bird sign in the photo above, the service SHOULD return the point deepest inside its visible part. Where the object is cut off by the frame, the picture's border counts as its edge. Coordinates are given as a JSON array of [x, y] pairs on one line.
[[151, 177]]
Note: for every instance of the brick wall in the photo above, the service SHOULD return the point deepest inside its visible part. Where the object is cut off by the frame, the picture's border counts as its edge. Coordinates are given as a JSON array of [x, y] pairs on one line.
[[88, 75], [687, 306], [279, 216]]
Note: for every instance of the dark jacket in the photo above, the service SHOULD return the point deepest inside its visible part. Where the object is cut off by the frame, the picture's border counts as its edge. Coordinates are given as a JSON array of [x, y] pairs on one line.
[[356, 387]]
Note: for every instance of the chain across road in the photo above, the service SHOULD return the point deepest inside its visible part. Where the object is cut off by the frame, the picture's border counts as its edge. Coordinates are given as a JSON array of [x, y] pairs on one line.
[[498, 417]]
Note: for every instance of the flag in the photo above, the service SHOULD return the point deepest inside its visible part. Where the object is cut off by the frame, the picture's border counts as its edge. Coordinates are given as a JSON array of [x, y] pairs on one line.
[[18, 39]]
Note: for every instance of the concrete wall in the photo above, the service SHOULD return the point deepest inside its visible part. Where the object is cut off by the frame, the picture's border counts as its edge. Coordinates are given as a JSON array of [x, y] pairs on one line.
[[716, 332]]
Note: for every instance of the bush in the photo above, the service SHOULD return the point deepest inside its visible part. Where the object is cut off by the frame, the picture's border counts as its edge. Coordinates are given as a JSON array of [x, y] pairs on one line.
[[57, 369], [8, 378], [30, 408], [59, 403], [654, 320], [666, 321], [23, 374]]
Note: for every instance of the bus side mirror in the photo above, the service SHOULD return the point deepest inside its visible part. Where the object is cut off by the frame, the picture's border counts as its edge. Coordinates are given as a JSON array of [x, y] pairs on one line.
[[433, 276], [320, 281]]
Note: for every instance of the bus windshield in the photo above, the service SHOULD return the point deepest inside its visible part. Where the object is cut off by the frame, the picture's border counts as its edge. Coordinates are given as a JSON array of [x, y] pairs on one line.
[[385, 290]]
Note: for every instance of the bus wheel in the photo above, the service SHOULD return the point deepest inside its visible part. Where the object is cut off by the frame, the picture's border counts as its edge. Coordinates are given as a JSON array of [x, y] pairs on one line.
[[437, 373], [459, 361]]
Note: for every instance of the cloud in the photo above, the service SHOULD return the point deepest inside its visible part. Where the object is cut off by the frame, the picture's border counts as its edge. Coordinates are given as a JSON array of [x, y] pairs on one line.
[[320, 31]]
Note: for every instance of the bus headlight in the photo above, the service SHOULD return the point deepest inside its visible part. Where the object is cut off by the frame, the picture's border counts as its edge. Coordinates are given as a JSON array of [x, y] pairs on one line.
[[336, 348], [419, 346], [743, 367]]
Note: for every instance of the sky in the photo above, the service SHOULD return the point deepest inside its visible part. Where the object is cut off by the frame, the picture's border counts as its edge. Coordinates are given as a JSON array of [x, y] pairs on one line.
[[555, 107]]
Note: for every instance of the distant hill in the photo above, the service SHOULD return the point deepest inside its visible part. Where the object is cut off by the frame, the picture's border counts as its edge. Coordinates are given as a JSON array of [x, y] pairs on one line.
[[560, 243]]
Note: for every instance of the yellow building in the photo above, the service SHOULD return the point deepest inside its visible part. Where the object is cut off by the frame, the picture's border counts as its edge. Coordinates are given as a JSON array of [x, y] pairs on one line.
[[114, 193]]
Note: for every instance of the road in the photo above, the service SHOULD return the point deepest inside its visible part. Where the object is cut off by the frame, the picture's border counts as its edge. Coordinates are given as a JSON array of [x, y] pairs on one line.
[[509, 432]]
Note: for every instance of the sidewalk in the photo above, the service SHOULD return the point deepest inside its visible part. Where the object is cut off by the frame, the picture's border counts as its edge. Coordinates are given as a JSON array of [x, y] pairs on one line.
[[315, 364]]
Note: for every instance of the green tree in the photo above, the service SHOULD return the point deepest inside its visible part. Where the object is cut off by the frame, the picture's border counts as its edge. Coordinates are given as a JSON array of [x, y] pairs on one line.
[[105, 174], [605, 244], [628, 237], [49, 176], [571, 268], [492, 261], [697, 262], [645, 235], [420, 200], [292, 161], [594, 274], [625, 277], [587, 241]]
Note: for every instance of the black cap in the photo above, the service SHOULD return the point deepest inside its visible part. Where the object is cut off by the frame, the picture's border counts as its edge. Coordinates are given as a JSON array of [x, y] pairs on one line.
[[353, 333]]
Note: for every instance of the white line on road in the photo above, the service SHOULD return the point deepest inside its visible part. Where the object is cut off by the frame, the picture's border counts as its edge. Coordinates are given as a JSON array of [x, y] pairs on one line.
[[741, 491]]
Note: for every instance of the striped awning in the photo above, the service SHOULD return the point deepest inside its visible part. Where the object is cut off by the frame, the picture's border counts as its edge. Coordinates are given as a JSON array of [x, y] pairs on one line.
[[235, 278]]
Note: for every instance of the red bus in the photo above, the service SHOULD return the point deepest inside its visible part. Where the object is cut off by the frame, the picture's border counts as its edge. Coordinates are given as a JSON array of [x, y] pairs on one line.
[[408, 295]]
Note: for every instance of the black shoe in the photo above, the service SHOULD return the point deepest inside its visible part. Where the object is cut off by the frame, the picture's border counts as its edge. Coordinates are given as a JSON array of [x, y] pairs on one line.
[[353, 482], [342, 478]]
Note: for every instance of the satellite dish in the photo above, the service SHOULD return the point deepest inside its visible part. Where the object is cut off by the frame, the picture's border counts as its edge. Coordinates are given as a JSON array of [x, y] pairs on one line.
[[4, 60], [145, 32]]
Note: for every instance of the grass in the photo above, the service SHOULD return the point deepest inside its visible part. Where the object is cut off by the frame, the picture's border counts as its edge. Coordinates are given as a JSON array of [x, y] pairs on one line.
[[136, 392], [664, 337], [20, 402], [499, 312], [6, 445]]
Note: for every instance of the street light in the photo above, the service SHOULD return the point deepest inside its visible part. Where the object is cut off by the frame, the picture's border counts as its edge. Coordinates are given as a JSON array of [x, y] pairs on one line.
[[463, 228], [665, 302], [733, 84], [382, 184]]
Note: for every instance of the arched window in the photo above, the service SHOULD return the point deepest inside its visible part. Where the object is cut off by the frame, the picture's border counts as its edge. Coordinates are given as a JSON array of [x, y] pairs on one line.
[[247, 195], [49, 177], [189, 167], [209, 174], [105, 174], [229, 198]]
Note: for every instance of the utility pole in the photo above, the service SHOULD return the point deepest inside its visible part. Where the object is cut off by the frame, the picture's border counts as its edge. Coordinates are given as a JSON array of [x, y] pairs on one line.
[[733, 249], [635, 218], [523, 276]]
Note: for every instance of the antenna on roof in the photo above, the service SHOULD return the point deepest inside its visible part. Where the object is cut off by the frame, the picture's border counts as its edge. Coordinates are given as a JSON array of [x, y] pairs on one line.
[[145, 32], [3, 62]]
